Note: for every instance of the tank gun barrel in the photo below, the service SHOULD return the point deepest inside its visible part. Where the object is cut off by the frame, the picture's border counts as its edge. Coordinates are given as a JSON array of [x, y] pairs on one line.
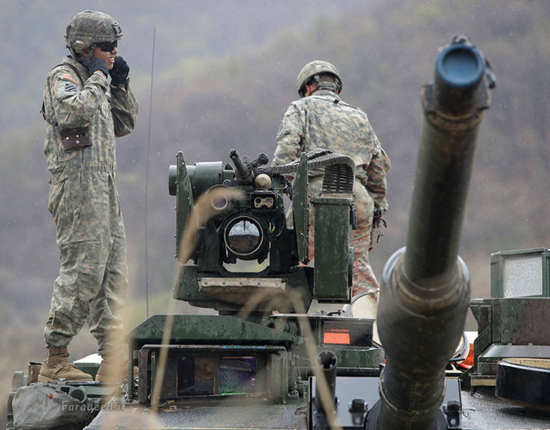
[[425, 286], [452, 109]]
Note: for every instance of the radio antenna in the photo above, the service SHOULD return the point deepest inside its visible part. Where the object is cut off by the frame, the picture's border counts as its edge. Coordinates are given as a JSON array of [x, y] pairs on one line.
[[147, 176]]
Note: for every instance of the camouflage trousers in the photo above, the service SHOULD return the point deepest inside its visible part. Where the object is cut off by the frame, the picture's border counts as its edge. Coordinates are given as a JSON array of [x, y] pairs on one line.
[[363, 276], [93, 279]]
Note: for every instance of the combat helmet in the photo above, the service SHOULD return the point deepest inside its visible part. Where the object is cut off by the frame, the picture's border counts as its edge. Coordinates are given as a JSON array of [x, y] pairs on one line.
[[313, 69], [88, 28]]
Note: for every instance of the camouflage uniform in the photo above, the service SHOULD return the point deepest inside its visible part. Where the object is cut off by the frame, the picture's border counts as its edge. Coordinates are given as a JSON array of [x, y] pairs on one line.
[[84, 203], [323, 120]]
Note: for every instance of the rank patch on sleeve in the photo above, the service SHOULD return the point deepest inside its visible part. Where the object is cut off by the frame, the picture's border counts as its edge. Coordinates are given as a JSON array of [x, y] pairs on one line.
[[66, 89]]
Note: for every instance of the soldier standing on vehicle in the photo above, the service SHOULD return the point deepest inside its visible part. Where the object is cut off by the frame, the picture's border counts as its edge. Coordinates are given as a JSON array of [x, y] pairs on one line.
[[85, 112], [320, 119]]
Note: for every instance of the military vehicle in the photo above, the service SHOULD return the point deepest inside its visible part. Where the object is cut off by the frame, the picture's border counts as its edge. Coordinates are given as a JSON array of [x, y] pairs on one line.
[[264, 362]]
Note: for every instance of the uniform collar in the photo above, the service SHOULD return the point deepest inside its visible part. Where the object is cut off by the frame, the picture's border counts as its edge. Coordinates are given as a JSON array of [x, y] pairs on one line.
[[70, 60], [326, 93]]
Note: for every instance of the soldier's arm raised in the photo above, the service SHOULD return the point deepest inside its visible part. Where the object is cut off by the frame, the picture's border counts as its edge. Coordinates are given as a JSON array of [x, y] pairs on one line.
[[124, 108], [74, 106]]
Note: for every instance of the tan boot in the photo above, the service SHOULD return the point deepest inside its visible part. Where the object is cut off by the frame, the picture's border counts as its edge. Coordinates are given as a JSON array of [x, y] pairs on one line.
[[113, 369], [56, 366]]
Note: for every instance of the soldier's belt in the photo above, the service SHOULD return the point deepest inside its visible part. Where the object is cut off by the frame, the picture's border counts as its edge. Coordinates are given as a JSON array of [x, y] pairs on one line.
[[75, 138]]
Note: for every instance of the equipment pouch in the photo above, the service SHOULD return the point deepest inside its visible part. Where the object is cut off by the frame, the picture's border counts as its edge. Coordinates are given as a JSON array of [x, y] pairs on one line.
[[75, 138]]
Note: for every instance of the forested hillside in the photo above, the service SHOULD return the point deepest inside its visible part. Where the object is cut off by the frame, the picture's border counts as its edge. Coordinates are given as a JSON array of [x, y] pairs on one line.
[[224, 73]]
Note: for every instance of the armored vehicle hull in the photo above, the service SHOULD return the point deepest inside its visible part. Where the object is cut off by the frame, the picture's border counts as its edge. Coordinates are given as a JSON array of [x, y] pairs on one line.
[[264, 362]]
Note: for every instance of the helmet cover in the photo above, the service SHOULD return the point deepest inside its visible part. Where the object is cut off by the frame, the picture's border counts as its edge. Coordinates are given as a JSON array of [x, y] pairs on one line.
[[88, 28], [315, 68]]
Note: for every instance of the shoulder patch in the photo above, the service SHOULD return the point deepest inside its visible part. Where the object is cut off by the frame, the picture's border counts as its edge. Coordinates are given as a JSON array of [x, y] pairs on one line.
[[66, 88], [67, 77]]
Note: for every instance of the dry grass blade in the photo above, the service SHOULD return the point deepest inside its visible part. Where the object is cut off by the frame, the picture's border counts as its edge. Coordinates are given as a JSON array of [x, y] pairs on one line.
[[311, 347], [201, 212], [312, 352]]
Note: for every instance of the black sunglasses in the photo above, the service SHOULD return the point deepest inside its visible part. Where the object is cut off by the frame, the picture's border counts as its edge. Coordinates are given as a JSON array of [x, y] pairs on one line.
[[107, 46]]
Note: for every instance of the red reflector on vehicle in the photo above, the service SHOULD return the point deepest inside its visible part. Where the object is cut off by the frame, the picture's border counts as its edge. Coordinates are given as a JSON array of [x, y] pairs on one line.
[[469, 361], [336, 336]]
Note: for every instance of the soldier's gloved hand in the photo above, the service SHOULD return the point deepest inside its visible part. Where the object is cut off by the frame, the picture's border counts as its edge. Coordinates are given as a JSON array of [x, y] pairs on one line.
[[96, 64], [119, 72]]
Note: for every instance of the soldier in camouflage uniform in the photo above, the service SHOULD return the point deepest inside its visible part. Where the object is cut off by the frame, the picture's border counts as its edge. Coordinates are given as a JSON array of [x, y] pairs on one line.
[[85, 113], [320, 119]]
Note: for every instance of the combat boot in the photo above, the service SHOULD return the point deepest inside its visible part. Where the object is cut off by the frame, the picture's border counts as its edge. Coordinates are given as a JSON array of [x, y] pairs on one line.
[[56, 366], [113, 369]]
